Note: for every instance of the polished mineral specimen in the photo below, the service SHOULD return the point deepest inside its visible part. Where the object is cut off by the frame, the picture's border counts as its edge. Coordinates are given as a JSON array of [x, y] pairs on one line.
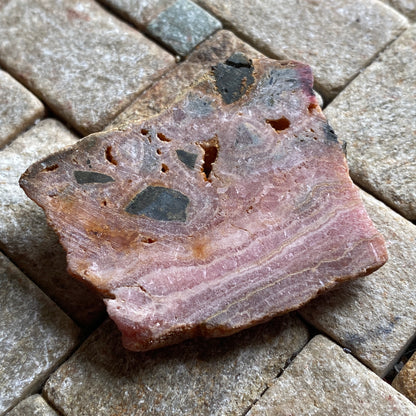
[[232, 206]]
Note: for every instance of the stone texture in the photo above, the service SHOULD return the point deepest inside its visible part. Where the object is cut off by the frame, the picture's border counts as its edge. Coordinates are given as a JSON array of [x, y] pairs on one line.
[[32, 406], [405, 381], [18, 108], [24, 233], [376, 116], [182, 26], [85, 64], [213, 377], [407, 7], [375, 316], [302, 30], [35, 335], [323, 380]]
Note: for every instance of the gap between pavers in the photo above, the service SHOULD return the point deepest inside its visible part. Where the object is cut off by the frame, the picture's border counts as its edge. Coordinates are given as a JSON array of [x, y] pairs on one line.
[[32, 406]]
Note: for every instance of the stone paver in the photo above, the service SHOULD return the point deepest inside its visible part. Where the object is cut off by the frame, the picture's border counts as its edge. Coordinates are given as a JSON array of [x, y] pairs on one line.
[[376, 116], [25, 236], [324, 380], [407, 7], [35, 335], [207, 377], [19, 108], [405, 381], [32, 406], [182, 26], [356, 30], [375, 316], [83, 62]]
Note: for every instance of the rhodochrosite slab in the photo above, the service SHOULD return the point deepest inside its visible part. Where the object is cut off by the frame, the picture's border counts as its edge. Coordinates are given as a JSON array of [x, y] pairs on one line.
[[229, 208]]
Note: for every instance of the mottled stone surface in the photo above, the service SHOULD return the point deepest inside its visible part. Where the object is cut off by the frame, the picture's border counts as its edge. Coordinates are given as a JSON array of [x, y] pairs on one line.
[[182, 26], [355, 29], [24, 233], [19, 108], [35, 335], [407, 7], [324, 380], [213, 377], [376, 116], [405, 381], [375, 316], [32, 406], [84, 63]]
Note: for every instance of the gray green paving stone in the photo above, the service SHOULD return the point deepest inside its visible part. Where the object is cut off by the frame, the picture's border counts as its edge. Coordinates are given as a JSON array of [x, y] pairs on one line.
[[32, 406], [24, 233], [376, 116], [326, 381], [407, 7], [182, 26], [356, 31], [35, 336], [83, 62], [19, 108], [375, 316], [221, 376]]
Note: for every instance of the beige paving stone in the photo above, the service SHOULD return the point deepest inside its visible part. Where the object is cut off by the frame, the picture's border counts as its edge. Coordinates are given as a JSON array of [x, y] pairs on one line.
[[32, 406], [407, 7], [19, 108], [375, 316], [84, 63], [35, 336], [323, 380], [208, 377], [24, 233], [336, 38], [405, 381], [376, 116]]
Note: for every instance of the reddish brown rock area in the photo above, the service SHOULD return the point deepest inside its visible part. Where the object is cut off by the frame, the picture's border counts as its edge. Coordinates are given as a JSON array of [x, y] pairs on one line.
[[231, 207]]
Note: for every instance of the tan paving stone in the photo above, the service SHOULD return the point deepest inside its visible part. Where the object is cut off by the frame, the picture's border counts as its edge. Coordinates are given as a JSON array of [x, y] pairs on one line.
[[19, 108], [32, 406], [24, 233], [405, 381], [375, 316], [336, 38], [35, 335], [376, 116], [407, 7], [323, 380], [83, 62], [207, 377]]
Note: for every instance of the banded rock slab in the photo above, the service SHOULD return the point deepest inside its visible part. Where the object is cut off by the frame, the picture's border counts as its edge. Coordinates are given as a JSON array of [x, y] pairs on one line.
[[231, 207]]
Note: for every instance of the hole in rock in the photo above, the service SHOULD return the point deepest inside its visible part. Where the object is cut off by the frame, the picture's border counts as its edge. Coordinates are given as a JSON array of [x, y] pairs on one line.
[[158, 151], [311, 107], [148, 240], [280, 124], [50, 168], [210, 149], [164, 168], [162, 137], [144, 132], [109, 156], [104, 203]]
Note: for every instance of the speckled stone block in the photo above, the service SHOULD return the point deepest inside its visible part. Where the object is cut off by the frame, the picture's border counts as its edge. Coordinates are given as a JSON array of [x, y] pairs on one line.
[[222, 376], [35, 335], [405, 381], [407, 7], [84, 63], [182, 26], [19, 108], [376, 116], [375, 316], [24, 233], [32, 406], [303, 30], [324, 380]]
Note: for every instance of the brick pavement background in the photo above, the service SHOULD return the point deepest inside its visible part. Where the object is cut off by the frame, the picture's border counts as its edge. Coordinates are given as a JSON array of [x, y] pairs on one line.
[[72, 67]]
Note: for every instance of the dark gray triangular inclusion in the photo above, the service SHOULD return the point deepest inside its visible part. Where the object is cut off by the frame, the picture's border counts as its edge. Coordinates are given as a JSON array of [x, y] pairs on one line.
[[159, 203], [187, 158], [84, 176]]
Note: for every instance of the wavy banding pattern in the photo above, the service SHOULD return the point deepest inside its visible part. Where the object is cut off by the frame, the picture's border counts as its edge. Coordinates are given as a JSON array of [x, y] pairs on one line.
[[232, 206]]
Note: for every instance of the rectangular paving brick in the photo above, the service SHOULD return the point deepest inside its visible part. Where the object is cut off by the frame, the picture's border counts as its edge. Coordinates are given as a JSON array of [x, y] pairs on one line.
[[221, 376], [405, 381], [32, 406], [376, 116], [35, 336], [19, 108], [324, 380], [336, 38], [24, 233], [84, 63], [375, 316]]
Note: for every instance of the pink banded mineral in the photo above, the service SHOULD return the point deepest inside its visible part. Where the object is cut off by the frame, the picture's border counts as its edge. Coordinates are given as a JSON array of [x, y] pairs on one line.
[[231, 207]]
